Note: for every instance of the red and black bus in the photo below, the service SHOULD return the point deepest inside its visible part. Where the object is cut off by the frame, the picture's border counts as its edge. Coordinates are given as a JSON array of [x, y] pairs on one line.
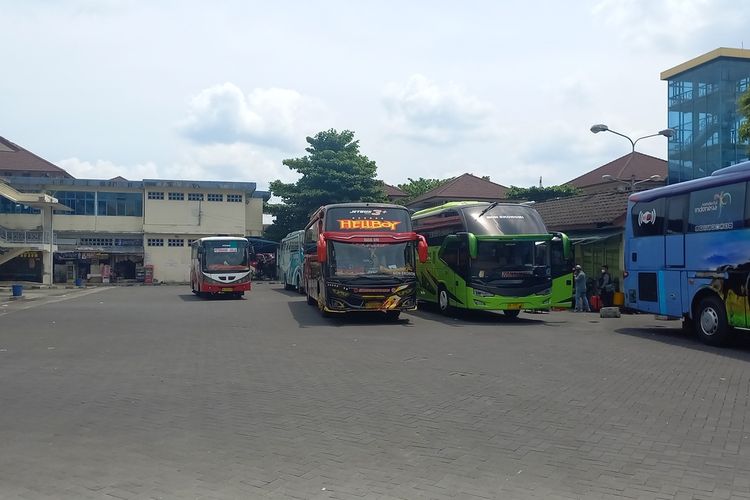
[[362, 257]]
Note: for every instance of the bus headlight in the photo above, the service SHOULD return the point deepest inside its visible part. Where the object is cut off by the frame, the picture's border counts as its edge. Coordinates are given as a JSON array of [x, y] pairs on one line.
[[546, 291], [482, 293]]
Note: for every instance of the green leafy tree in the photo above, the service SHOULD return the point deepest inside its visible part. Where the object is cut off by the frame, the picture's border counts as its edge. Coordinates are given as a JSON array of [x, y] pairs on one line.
[[744, 109], [418, 187], [334, 171], [535, 193]]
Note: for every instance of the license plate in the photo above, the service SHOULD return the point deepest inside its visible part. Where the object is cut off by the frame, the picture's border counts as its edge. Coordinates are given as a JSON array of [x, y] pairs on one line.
[[514, 306], [227, 289]]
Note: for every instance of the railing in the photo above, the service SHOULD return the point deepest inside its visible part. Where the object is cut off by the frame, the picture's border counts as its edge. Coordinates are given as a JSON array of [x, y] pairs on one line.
[[26, 237]]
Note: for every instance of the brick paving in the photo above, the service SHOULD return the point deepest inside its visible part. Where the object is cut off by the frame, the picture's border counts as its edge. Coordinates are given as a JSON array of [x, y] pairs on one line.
[[148, 392]]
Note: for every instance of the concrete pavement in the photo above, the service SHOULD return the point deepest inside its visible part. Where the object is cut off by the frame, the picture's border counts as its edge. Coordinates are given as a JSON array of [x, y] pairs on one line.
[[151, 392]]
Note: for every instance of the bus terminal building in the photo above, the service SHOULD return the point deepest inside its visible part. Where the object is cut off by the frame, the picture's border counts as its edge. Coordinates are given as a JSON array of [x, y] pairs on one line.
[[111, 230]]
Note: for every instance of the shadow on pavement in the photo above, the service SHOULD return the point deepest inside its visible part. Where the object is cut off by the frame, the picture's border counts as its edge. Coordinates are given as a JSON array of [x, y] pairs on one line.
[[288, 293], [309, 316], [738, 348], [190, 297], [431, 312]]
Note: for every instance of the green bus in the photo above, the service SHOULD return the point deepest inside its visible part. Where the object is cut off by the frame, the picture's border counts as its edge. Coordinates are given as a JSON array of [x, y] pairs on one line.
[[492, 256]]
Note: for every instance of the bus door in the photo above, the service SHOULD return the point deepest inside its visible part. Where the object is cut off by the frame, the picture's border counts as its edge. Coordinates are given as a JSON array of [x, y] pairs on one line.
[[646, 254], [670, 280], [561, 265], [454, 254]]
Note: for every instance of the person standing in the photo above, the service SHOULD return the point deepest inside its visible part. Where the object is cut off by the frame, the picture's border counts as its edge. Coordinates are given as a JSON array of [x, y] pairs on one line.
[[582, 301], [606, 287]]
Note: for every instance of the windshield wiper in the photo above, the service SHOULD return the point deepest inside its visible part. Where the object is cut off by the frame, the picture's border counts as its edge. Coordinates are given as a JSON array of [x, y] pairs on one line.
[[489, 207]]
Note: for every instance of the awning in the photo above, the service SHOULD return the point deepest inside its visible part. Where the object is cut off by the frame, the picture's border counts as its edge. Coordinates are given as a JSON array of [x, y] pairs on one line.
[[590, 237]]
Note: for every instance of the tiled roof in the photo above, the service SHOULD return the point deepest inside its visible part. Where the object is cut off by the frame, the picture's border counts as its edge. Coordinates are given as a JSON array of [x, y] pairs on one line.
[[15, 160], [393, 191], [587, 211], [640, 166], [465, 187]]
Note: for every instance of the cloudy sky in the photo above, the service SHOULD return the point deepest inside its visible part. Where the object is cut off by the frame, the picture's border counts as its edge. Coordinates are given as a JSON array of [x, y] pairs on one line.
[[225, 90]]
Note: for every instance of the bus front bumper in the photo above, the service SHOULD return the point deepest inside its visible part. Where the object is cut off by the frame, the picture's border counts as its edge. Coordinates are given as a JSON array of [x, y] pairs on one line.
[[226, 288], [376, 298]]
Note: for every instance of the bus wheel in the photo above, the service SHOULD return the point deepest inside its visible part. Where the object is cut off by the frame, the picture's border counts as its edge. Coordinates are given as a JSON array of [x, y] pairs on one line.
[[311, 301], [711, 322], [511, 313], [297, 286], [443, 302]]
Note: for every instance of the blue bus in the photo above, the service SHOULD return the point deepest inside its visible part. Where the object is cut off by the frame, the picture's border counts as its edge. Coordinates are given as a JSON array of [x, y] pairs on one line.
[[289, 261], [687, 253]]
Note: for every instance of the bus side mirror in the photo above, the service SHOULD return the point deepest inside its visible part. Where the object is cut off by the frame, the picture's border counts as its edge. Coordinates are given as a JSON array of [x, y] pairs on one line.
[[422, 249], [472, 245], [322, 249]]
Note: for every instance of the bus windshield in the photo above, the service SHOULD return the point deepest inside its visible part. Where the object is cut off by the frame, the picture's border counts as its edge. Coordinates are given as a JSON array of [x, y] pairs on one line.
[[504, 219], [510, 262], [225, 255], [355, 259]]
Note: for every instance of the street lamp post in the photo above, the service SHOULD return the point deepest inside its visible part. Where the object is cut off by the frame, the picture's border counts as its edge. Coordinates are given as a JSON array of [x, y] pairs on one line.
[[600, 127]]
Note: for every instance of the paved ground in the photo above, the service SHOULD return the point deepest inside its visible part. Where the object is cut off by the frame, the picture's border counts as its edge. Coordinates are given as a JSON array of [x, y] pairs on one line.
[[148, 392]]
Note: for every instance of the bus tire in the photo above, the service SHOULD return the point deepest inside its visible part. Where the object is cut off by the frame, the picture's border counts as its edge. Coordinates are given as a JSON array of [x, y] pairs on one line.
[[287, 286], [311, 301], [443, 301], [511, 313], [298, 285], [711, 324]]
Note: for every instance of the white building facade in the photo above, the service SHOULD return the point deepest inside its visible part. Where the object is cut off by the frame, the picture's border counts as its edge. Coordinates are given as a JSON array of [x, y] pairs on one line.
[[120, 230]]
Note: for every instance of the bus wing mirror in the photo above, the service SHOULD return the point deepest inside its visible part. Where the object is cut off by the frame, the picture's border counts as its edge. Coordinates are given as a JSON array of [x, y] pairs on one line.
[[472, 239], [322, 249], [422, 249]]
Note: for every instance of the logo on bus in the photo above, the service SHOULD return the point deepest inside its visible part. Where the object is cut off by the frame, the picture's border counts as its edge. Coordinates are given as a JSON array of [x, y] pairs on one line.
[[647, 217], [374, 212], [368, 224]]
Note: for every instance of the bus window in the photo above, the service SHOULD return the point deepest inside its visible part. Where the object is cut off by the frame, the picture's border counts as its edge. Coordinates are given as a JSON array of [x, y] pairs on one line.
[[648, 218], [717, 209], [676, 214]]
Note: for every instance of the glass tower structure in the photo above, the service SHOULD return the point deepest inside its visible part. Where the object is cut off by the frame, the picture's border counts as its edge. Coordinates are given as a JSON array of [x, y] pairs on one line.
[[703, 111]]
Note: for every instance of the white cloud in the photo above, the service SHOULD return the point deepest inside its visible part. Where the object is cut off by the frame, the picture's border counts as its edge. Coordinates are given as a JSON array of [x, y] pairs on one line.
[[422, 110], [218, 162], [699, 25], [105, 169], [275, 117], [231, 162]]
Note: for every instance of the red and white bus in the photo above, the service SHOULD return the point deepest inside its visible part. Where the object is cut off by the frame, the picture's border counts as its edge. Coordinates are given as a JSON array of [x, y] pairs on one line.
[[220, 265], [362, 257]]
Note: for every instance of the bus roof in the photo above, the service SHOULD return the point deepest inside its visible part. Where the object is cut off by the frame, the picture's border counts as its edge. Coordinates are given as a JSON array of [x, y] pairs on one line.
[[221, 238], [728, 175], [363, 204], [465, 204]]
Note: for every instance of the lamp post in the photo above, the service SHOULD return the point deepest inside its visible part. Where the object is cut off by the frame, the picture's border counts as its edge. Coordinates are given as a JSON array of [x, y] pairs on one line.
[[600, 127]]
